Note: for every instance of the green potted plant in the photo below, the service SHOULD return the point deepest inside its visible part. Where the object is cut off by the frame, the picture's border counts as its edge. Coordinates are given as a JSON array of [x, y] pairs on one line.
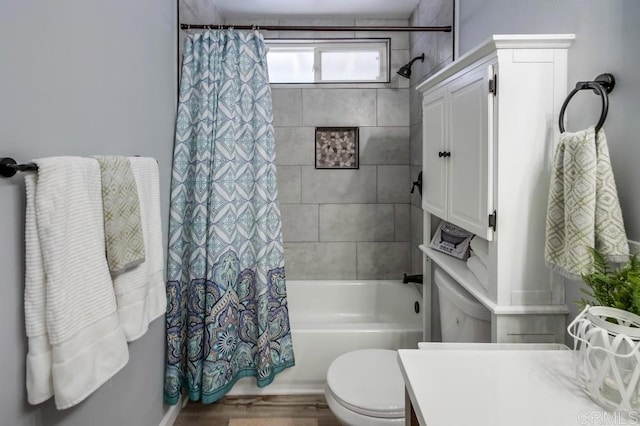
[[607, 334], [616, 288]]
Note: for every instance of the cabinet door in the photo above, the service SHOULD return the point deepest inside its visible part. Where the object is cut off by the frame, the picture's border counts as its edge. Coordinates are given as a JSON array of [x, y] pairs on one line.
[[468, 178], [434, 133]]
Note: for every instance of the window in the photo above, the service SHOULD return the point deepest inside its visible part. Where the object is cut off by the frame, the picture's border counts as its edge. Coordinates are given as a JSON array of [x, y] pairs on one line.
[[328, 61]]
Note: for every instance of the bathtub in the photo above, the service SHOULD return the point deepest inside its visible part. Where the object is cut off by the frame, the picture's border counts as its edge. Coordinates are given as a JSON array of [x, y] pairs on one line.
[[329, 318]]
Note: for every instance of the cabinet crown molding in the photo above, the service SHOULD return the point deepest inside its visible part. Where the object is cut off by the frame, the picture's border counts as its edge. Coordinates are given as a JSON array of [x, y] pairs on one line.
[[497, 42]]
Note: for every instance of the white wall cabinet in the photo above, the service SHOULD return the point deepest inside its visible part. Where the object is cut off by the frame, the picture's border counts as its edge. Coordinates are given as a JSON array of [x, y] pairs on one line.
[[457, 172], [489, 132], [468, 179], [435, 143], [456, 175]]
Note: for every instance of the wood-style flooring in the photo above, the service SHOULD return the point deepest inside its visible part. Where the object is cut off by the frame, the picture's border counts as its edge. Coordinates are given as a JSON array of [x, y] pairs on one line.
[[267, 410]]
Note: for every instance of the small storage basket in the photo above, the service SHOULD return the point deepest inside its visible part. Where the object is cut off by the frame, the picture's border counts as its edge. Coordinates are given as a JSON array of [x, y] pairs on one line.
[[607, 356]]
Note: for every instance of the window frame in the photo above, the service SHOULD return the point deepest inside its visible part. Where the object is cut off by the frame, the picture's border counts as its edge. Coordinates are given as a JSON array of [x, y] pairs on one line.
[[382, 45]]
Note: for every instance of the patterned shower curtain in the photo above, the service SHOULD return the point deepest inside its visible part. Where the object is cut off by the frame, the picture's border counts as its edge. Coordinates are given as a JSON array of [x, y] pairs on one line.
[[227, 314]]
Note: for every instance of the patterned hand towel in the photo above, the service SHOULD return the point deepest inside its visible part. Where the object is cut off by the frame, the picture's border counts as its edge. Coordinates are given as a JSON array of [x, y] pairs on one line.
[[122, 227], [75, 342], [583, 209], [140, 291]]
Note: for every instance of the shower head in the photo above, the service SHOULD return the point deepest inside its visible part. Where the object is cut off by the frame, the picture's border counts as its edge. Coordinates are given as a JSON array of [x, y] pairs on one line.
[[405, 70]]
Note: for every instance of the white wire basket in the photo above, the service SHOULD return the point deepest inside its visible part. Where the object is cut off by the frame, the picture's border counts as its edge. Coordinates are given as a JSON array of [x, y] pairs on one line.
[[606, 343]]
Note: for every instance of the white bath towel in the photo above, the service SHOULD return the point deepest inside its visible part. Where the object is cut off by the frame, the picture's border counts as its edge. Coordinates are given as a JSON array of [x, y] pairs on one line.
[[480, 248], [78, 343], [140, 291], [39, 357], [479, 270], [583, 209]]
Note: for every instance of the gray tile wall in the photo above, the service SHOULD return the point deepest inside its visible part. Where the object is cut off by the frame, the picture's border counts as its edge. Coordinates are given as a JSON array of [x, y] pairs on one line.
[[198, 12], [390, 120], [438, 49], [345, 224]]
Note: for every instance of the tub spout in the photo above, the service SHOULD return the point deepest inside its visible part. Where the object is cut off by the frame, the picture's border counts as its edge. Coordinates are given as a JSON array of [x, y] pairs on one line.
[[412, 279]]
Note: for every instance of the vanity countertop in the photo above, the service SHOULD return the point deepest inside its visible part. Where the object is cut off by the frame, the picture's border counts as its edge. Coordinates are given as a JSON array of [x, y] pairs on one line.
[[503, 387]]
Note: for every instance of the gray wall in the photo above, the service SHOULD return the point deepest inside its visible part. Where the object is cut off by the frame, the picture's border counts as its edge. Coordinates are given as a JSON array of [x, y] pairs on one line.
[[607, 35], [81, 78], [344, 224]]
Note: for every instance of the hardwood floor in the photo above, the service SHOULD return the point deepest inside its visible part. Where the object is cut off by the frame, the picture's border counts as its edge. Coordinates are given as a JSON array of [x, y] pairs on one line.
[[268, 410]]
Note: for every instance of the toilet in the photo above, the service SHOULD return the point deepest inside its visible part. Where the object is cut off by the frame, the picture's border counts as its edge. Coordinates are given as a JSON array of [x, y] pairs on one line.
[[365, 387], [462, 317]]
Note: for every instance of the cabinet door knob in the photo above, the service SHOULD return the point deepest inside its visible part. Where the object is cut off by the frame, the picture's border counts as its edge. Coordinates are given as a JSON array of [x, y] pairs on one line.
[[440, 154], [446, 154]]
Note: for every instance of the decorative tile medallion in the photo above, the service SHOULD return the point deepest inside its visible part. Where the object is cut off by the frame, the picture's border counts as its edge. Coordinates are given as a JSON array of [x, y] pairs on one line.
[[337, 148]]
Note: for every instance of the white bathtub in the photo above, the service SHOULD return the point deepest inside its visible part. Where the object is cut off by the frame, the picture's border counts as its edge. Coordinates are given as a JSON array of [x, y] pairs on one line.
[[329, 318]]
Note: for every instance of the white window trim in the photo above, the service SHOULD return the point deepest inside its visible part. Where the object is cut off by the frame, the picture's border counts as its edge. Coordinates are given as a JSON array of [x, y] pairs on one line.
[[381, 45]]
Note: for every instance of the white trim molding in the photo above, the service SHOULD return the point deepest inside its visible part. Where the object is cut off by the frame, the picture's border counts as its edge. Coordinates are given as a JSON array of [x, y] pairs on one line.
[[456, 29], [172, 413]]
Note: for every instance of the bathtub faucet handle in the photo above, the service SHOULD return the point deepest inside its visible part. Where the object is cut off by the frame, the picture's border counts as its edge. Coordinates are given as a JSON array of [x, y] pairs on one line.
[[417, 184], [412, 279]]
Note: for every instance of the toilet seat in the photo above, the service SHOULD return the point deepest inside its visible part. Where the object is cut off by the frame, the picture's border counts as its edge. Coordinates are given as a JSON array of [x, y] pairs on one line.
[[348, 417], [368, 382]]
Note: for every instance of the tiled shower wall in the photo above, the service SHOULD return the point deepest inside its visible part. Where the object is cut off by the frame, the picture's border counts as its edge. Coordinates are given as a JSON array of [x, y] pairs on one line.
[[344, 224], [438, 50], [198, 12], [340, 224]]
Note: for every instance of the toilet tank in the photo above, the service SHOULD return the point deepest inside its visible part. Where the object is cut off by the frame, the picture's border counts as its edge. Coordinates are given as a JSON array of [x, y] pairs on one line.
[[462, 317]]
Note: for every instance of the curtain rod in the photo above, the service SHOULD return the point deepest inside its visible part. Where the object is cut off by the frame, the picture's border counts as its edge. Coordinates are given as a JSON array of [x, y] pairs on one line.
[[446, 29]]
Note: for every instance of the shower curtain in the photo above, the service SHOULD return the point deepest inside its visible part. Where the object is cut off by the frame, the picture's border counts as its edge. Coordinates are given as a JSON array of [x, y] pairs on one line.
[[227, 313]]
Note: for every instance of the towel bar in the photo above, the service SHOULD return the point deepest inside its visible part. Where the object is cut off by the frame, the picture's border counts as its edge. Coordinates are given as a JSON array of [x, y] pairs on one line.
[[9, 167]]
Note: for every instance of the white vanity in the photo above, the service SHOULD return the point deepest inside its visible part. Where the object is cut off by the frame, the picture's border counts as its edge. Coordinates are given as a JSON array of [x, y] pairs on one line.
[[496, 385], [489, 132]]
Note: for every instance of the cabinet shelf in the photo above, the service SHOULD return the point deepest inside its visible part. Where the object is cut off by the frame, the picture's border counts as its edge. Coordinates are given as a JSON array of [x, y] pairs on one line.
[[458, 270]]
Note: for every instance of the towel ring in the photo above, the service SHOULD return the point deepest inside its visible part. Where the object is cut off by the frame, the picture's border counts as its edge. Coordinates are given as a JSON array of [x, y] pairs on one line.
[[602, 85]]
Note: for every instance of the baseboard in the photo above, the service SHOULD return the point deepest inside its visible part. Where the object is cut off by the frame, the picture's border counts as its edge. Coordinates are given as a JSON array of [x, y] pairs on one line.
[[248, 388], [172, 414]]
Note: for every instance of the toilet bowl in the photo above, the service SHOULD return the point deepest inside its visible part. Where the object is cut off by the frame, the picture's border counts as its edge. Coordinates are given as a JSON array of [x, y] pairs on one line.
[[365, 388]]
